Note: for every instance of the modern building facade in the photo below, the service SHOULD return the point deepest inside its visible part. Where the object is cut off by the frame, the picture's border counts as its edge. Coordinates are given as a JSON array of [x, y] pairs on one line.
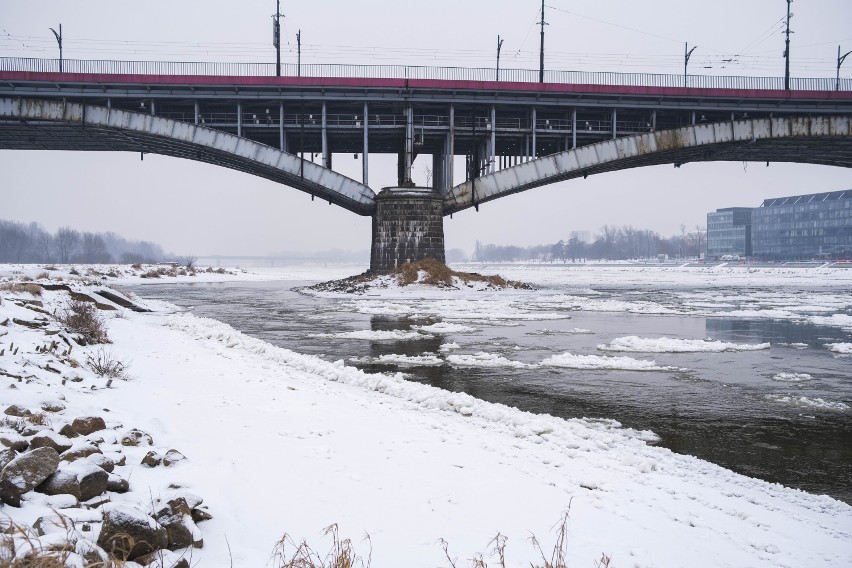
[[729, 232], [801, 227]]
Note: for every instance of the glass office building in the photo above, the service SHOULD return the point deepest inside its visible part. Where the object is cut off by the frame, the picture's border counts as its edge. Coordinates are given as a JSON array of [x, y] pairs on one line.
[[729, 233], [801, 227]]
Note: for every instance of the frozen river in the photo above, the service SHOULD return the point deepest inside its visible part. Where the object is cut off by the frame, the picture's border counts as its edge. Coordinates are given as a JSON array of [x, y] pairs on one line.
[[687, 360]]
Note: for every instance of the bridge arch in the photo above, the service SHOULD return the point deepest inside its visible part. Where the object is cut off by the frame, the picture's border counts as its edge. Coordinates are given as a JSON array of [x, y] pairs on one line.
[[814, 140], [35, 124]]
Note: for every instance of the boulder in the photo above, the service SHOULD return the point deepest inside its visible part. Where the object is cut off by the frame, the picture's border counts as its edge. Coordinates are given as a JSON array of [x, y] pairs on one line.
[[172, 457], [52, 406], [88, 424], [102, 462], [23, 473], [128, 533], [82, 449], [68, 431], [53, 523], [50, 439], [176, 517], [117, 484], [201, 514], [6, 455], [13, 440], [18, 410], [136, 437], [152, 459], [82, 479]]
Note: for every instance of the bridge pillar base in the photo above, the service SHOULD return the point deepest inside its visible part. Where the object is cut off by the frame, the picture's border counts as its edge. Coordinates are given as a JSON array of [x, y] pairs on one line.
[[408, 226]]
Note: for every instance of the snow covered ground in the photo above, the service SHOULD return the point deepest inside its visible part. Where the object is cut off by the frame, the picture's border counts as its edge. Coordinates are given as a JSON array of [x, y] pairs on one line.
[[279, 442]]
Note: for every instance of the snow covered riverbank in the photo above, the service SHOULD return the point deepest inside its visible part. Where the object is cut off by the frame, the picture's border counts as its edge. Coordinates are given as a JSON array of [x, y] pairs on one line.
[[279, 442]]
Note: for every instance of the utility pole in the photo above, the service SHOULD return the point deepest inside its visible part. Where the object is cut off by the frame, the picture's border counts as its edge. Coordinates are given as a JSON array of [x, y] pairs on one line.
[[787, 50], [687, 53], [299, 53], [541, 51], [59, 41], [840, 60], [500, 44], [276, 36]]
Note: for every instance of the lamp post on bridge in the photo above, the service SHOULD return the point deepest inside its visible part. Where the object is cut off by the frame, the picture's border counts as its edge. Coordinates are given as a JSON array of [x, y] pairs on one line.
[[500, 45], [840, 60], [541, 51], [276, 36], [59, 41], [687, 53], [787, 50]]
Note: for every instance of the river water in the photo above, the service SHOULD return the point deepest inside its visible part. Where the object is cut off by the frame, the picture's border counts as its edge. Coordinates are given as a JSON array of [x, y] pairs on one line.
[[781, 413]]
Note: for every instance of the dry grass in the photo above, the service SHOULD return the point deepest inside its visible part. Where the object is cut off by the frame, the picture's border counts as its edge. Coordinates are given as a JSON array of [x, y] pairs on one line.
[[83, 318], [288, 554], [104, 364], [39, 419], [21, 288], [43, 276], [436, 273]]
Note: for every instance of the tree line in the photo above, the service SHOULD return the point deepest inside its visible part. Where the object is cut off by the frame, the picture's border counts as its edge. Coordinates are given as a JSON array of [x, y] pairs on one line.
[[31, 243], [609, 243]]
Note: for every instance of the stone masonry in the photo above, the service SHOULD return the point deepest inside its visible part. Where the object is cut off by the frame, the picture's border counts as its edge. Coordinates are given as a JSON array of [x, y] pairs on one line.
[[408, 226]]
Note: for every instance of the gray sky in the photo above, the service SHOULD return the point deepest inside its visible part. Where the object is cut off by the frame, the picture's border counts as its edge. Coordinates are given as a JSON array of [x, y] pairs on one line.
[[199, 209]]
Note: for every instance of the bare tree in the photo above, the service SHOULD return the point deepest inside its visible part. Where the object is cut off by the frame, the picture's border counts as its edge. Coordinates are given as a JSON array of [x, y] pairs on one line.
[[93, 249], [699, 238], [66, 242], [428, 171]]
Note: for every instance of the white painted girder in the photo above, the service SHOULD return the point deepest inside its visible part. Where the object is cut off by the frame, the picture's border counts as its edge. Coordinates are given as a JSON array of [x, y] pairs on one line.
[[353, 195], [646, 149]]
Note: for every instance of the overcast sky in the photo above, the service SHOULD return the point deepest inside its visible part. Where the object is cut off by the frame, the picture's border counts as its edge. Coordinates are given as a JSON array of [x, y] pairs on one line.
[[192, 208]]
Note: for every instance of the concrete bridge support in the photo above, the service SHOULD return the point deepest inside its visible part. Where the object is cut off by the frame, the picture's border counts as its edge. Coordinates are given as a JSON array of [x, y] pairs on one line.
[[408, 226]]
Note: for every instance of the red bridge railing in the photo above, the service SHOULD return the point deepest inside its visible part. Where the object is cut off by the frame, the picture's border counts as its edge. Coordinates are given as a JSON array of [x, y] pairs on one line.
[[222, 69]]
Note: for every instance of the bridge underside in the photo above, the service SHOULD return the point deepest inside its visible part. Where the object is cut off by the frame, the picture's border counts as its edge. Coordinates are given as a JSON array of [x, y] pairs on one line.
[[52, 125], [823, 140]]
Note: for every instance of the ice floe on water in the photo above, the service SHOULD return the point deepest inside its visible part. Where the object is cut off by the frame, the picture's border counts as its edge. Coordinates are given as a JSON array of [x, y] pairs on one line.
[[487, 360], [445, 327], [633, 344], [447, 347], [425, 360], [573, 331], [603, 363], [806, 402], [791, 377], [842, 348], [375, 335]]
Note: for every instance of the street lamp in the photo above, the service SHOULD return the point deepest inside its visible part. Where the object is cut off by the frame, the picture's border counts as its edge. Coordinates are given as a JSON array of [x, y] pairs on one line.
[[840, 60], [499, 45], [687, 53], [276, 36], [59, 41]]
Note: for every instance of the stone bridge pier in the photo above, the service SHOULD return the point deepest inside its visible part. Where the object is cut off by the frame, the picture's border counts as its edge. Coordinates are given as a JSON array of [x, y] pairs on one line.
[[408, 225]]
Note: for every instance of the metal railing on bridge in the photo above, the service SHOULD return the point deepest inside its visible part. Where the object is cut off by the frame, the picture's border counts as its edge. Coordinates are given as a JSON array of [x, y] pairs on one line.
[[225, 69]]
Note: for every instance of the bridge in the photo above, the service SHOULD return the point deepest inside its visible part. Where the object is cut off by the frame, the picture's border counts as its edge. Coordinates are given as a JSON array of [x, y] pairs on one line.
[[515, 134]]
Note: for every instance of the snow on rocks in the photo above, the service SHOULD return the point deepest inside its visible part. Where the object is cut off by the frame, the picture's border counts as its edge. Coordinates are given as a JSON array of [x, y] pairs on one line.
[[633, 344], [61, 463]]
